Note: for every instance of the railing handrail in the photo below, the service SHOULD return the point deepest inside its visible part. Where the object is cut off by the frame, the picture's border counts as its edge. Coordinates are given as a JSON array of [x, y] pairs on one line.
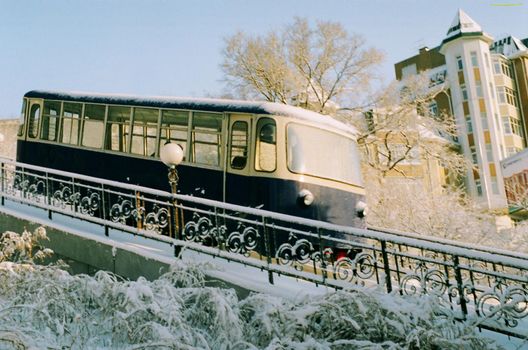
[[440, 245]]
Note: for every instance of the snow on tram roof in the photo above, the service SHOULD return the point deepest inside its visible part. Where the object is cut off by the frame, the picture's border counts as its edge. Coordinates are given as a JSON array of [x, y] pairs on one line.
[[199, 104]]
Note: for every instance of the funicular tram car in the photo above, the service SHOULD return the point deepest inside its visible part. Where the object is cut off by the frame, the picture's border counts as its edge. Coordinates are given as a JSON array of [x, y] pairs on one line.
[[256, 154]]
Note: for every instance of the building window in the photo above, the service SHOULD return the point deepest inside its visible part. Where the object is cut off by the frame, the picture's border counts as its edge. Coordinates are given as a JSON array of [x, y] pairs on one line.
[[506, 125], [489, 152], [478, 185], [496, 66], [469, 125], [506, 70], [459, 63], [484, 120], [478, 87], [464, 92], [494, 185], [474, 61], [501, 94], [515, 126], [433, 108], [473, 151]]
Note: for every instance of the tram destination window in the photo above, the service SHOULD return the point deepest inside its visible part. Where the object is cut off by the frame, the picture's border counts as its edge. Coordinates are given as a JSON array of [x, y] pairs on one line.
[[50, 120], [322, 153], [34, 119], [174, 128], [266, 154], [93, 127], [206, 138], [117, 128], [144, 130], [239, 145]]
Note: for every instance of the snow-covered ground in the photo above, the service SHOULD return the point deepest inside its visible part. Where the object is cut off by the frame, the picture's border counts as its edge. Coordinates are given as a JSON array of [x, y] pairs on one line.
[[45, 307]]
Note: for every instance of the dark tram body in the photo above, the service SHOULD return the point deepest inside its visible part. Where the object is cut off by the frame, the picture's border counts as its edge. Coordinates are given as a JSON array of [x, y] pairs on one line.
[[257, 154]]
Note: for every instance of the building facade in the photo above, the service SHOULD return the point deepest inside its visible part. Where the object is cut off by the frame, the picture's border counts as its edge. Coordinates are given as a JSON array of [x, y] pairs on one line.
[[486, 93]]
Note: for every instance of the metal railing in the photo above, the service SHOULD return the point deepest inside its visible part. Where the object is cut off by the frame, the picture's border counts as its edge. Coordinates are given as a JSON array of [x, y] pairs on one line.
[[487, 284]]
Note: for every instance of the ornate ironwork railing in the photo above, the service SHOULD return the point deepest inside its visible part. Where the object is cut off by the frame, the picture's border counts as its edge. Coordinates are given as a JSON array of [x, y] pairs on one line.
[[487, 284]]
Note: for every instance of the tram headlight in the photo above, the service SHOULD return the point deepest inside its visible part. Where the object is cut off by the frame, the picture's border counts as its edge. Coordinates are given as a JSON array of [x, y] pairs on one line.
[[361, 209], [306, 197]]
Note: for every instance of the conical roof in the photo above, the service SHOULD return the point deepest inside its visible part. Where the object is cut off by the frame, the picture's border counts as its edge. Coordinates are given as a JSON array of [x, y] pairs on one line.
[[463, 24]]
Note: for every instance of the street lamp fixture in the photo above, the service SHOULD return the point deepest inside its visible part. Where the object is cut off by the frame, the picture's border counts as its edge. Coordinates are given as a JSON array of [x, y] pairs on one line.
[[171, 155]]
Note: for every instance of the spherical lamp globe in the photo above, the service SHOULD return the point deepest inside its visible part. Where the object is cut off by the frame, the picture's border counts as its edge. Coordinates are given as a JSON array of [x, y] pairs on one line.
[[171, 154]]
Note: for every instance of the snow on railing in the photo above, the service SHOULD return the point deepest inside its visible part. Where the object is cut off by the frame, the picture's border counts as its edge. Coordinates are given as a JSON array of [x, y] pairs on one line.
[[480, 282]]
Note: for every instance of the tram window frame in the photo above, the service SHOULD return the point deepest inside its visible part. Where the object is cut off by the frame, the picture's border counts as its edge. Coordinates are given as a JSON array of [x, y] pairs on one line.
[[144, 130], [237, 161], [261, 123], [174, 127], [92, 135], [71, 115], [203, 137], [22, 118], [118, 124], [51, 121], [34, 121]]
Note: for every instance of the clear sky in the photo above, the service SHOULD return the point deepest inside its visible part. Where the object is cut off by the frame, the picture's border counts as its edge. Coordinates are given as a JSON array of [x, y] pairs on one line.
[[161, 47]]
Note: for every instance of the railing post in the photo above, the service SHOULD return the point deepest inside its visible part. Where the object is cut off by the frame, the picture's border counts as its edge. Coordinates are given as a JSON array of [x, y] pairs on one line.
[[3, 183], [175, 226], [386, 266], [460, 286], [267, 248], [321, 254], [104, 210], [48, 197]]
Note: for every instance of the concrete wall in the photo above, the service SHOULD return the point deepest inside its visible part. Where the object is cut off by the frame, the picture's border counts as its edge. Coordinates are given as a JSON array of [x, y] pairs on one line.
[[87, 255]]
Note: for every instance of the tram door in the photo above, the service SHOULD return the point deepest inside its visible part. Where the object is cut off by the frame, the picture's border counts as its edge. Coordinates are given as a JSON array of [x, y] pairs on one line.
[[237, 184]]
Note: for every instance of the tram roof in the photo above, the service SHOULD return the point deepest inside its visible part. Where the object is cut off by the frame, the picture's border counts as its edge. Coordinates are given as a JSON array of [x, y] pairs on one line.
[[198, 104]]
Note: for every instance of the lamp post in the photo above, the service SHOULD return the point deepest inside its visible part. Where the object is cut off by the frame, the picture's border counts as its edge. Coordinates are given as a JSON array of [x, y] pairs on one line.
[[171, 155]]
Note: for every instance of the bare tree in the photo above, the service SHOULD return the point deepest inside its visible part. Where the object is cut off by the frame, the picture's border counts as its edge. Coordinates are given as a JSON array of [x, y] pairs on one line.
[[310, 66], [399, 127]]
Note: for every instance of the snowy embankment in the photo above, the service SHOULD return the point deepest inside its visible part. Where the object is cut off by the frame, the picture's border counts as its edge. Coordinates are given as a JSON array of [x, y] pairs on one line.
[[46, 307]]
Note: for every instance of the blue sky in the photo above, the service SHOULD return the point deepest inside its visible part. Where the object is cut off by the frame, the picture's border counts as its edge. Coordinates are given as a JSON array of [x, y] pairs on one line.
[[161, 47]]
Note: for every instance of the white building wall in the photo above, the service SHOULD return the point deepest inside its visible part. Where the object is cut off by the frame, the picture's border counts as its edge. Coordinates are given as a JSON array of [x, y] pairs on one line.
[[463, 47]]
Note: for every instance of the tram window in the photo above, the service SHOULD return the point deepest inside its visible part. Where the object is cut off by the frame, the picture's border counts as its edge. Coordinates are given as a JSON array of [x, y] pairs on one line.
[[174, 126], [34, 118], [70, 122], [117, 128], [93, 127], [50, 120], [22, 118], [266, 157], [206, 138], [144, 131], [322, 153], [239, 145]]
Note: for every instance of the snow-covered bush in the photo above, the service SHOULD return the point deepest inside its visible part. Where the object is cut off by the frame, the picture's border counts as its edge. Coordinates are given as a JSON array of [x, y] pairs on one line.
[[25, 247], [48, 307]]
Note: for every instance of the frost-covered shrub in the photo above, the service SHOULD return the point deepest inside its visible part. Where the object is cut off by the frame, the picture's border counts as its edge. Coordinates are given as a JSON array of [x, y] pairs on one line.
[[25, 247], [48, 307]]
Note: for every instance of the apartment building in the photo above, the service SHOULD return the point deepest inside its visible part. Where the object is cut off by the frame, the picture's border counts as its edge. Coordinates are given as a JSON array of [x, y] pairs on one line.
[[486, 92]]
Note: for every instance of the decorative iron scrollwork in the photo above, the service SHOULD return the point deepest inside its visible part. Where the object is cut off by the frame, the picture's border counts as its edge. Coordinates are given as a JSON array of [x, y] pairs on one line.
[[296, 251], [503, 303], [362, 267], [424, 280]]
